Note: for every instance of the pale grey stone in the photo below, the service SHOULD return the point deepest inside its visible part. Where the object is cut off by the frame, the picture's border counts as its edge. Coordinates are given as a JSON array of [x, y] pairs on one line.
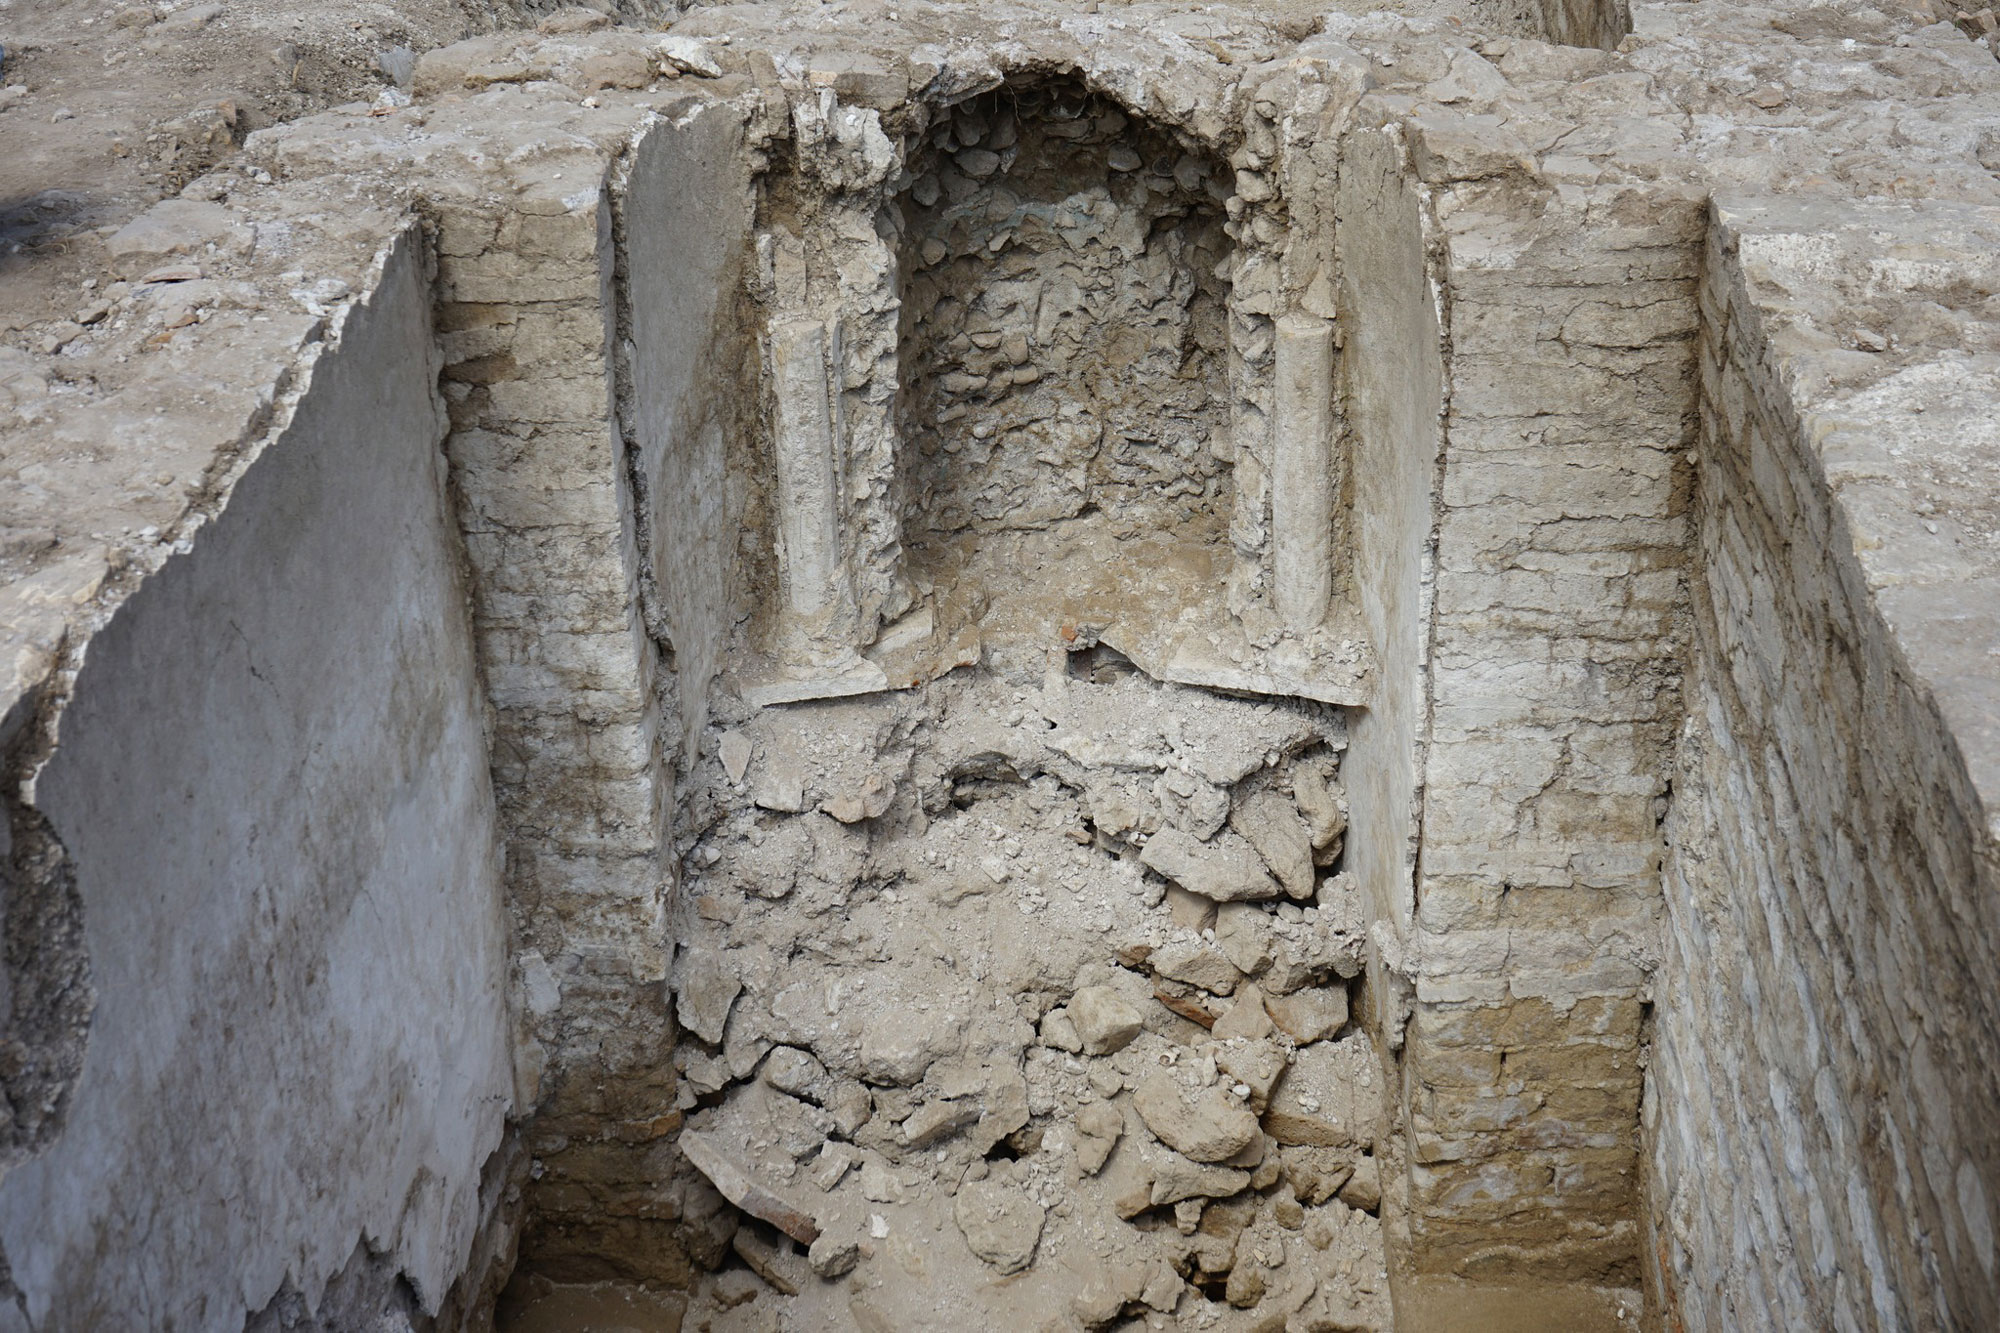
[[1227, 869], [1206, 1125], [1001, 1224], [1273, 826], [1103, 1020], [705, 986]]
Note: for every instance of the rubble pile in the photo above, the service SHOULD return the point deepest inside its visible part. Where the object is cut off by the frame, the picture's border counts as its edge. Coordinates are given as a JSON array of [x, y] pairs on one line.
[[1045, 978]]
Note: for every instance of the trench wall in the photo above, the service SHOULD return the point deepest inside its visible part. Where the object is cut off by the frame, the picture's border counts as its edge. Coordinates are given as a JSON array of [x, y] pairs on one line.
[[271, 784], [1822, 1103]]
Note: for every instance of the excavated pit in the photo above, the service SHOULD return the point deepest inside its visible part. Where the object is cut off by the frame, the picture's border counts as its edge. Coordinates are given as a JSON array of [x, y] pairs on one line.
[[1130, 667], [1017, 959]]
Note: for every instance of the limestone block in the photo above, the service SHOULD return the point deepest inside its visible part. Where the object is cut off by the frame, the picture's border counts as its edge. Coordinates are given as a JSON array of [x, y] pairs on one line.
[[1003, 1109], [1103, 1019], [1059, 1032], [1190, 911], [791, 1070], [1176, 1178], [898, 1046], [1245, 1018], [1317, 1174], [734, 751], [1311, 1014], [1243, 933], [1329, 1097], [1196, 962], [1206, 1125], [1324, 807], [938, 1119], [1107, 1291], [742, 1186], [1363, 1189], [1099, 1127], [687, 54], [173, 227], [1227, 869], [1273, 826], [1254, 1065], [706, 984], [614, 69], [808, 502], [1001, 1224], [833, 1258], [1449, 147]]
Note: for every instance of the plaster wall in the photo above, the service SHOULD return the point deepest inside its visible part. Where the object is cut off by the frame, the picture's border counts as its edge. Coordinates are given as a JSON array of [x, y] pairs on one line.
[[1821, 1107], [1394, 390], [685, 207], [271, 783]]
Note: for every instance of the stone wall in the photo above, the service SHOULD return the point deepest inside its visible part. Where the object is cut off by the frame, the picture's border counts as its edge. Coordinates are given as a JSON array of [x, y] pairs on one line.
[[1552, 698], [1822, 1103], [526, 312], [579, 421], [269, 788]]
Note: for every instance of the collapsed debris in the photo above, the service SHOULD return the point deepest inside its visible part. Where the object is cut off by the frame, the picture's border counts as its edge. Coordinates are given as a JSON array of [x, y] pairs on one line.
[[963, 1022]]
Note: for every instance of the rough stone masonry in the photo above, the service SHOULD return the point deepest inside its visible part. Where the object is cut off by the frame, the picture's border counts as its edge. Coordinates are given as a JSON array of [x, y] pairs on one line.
[[875, 666]]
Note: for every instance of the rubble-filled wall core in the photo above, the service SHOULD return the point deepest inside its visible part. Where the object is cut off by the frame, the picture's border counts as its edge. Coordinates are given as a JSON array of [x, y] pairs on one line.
[[1064, 347], [1099, 667], [1600, 23]]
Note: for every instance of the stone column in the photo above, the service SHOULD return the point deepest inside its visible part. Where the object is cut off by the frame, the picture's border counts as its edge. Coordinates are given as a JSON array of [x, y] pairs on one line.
[[1302, 471]]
